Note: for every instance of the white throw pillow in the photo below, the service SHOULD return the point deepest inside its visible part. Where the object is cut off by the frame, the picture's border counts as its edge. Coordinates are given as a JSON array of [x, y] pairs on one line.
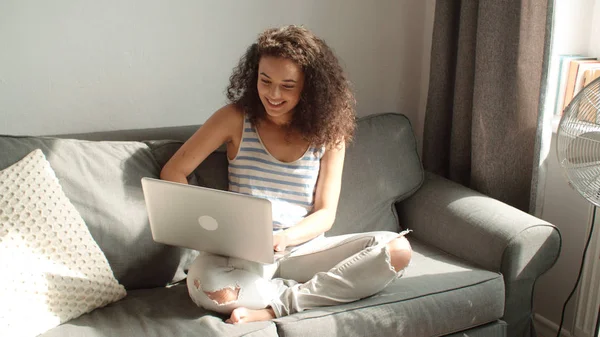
[[51, 269]]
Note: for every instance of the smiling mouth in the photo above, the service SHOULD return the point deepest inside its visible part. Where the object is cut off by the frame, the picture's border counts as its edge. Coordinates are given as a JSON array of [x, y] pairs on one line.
[[274, 103]]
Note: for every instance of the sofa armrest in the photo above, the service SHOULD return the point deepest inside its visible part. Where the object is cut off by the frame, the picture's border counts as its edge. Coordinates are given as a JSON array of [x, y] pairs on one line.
[[488, 233]]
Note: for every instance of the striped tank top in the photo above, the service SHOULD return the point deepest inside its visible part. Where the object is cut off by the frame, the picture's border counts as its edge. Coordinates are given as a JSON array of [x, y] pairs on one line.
[[289, 186]]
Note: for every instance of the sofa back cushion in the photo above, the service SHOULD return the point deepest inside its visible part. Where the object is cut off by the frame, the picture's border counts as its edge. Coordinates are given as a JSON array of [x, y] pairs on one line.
[[102, 181], [381, 167]]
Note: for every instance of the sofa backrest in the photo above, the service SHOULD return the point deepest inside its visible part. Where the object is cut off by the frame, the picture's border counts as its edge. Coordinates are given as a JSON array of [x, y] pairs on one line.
[[102, 180]]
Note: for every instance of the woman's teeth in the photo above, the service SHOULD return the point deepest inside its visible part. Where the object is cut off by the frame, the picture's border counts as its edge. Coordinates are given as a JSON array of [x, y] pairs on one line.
[[274, 103]]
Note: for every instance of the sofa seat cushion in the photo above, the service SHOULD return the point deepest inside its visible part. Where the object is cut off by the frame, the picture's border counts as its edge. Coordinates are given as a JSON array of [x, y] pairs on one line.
[[159, 312], [439, 294]]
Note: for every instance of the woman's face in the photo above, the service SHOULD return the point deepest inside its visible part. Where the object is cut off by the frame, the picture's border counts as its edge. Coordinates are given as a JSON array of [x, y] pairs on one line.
[[280, 83]]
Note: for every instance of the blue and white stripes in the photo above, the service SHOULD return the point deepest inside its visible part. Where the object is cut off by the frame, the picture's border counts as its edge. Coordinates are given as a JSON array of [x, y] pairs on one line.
[[289, 186]]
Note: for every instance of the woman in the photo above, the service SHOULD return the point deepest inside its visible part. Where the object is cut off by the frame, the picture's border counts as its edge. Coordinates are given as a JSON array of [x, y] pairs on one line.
[[290, 116]]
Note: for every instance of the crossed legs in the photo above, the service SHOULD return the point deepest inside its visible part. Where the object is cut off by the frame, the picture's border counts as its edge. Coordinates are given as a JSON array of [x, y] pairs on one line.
[[249, 296]]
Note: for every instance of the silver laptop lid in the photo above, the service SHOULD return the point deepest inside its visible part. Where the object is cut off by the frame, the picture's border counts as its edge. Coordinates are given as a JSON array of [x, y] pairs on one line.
[[209, 220]]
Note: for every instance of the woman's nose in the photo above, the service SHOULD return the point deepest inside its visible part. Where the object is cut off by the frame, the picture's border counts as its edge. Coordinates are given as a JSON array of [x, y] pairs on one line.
[[274, 91]]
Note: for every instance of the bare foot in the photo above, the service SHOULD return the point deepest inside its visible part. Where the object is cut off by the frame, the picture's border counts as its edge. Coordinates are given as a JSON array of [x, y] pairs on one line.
[[243, 315]]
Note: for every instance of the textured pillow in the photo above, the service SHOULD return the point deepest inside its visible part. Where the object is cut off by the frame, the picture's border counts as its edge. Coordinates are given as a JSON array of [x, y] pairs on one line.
[[51, 268]]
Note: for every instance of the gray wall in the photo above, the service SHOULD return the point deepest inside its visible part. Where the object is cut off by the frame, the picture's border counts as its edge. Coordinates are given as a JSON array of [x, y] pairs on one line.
[[81, 66]]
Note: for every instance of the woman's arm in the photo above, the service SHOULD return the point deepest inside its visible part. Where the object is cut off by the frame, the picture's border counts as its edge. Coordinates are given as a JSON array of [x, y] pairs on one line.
[[327, 195], [222, 127]]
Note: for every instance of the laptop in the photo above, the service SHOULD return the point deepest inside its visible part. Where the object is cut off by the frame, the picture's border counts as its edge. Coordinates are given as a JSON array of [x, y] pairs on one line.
[[210, 220]]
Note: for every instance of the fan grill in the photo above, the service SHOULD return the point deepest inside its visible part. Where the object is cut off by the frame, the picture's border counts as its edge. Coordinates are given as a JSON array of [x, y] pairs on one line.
[[578, 147]]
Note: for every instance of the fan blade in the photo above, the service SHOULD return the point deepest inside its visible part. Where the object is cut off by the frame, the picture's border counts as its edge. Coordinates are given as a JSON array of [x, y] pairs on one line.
[[584, 149]]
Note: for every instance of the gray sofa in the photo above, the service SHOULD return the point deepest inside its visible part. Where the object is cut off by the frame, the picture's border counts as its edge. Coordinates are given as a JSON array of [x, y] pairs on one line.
[[474, 265]]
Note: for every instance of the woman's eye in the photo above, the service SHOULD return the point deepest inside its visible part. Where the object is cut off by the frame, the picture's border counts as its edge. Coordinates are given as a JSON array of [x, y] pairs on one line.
[[288, 86], [265, 81]]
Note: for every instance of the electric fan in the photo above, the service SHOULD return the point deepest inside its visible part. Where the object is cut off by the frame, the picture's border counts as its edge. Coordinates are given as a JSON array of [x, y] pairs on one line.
[[578, 151], [578, 145]]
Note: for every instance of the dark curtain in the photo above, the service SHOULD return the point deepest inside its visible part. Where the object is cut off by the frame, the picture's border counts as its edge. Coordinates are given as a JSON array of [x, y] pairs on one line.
[[488, 72]]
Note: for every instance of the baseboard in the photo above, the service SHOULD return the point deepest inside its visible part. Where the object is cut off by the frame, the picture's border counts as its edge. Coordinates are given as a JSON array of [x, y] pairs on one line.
[[546, 328]]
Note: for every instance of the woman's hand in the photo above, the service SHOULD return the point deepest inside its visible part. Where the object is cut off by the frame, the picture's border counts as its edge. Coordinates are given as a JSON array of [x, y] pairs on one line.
[[280, 241]]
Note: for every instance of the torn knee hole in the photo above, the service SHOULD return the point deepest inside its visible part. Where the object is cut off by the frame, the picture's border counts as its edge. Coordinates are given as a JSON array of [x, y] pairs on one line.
[[222, 296]]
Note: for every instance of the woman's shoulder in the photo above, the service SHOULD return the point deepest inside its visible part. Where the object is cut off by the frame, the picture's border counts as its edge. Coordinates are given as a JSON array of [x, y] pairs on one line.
[[230, 112], [226, 123], [229, 117]]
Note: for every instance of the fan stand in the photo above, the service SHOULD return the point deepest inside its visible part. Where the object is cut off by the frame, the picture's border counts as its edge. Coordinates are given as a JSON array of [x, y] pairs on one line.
[[585, 250]]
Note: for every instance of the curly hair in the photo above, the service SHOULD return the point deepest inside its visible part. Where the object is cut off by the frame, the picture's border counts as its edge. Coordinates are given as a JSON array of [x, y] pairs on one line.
[[324, 115]]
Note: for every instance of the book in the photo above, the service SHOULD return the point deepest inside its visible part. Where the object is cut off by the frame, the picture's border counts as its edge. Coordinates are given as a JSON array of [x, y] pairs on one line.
[[587, 110], [590, 75], [581, 75], [569, 92], [561, 82]]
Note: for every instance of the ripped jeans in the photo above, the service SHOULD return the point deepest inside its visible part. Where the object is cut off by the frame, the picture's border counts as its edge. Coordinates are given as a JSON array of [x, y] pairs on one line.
[[321, 272]]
